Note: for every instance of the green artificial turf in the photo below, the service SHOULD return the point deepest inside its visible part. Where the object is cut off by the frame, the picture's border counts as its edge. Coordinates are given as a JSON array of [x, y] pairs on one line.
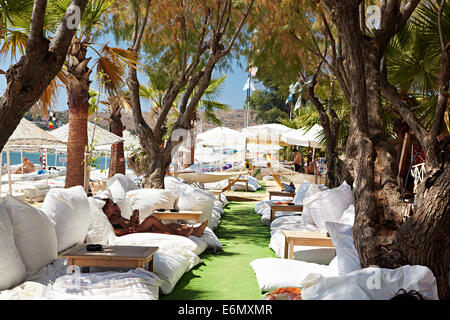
[[229, 276]]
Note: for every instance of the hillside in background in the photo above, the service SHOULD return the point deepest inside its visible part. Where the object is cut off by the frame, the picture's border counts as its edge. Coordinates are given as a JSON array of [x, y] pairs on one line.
[[233, 119]]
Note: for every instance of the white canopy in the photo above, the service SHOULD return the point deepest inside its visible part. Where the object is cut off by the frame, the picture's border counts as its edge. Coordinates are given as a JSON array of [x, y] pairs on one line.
[[29, 134], [266, 133], [101, 136], [221, 136], [301, 137]]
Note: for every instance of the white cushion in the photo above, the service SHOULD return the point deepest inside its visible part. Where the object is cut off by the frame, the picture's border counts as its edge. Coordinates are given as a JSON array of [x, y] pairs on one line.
[[12, 268], [169, 267], [126, 182], [371, 284], [273, 273], [34, 234], [119, 196], [329, 205], [342, 237], [209, 237], [148, 200], [308, 199], [348, 217], [69, 210], [163, 241], [301, 192], [191, 198], [100, 229]]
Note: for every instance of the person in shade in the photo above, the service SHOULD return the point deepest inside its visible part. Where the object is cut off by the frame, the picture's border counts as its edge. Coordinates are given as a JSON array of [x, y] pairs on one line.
[[123, 226], [297, 161]]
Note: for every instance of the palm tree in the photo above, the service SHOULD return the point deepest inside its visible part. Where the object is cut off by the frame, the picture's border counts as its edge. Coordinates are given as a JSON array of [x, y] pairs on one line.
[[115, 105]]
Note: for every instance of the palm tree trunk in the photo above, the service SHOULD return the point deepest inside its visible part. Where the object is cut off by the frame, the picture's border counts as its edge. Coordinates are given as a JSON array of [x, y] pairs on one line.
[[78, 101], [78, 137], [117, 164]]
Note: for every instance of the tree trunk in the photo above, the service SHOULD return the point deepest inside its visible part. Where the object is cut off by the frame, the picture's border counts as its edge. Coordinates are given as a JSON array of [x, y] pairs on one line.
[[78, 137], [78, 101], [30, 76], [387, 232], [117, 164]]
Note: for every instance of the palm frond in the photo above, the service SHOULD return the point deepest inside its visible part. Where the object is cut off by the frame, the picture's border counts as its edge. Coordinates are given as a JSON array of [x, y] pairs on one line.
[[15, 41]]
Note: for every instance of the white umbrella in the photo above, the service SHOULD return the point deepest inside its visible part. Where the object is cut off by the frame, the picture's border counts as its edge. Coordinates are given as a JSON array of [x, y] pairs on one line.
[[266, 133], [101, 136], [221, 136], [29, 134], [305, 138], [130, 142]]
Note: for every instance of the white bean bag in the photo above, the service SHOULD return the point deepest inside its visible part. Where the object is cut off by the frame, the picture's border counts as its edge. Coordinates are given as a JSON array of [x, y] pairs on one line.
[[69, 210], [308, 199], [148, 200], [34, 234], [119, 196], [371, 284], [12, 268], [273, 273], [253, 184]]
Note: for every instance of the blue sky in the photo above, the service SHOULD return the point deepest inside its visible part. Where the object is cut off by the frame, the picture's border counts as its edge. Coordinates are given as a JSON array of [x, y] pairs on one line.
[[232, 95]]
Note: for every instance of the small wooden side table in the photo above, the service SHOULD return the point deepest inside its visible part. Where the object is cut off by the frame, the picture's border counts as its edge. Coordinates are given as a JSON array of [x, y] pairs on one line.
[[245, 180], [283, 208], [281, 193], [112, 256], [180, 215], [302, 238]]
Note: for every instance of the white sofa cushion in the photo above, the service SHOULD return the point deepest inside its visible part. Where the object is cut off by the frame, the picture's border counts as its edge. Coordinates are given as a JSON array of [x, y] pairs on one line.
[[119, 196], [69, 210], [163, 241], [329, 205], [300, 194], [100, 229], [342, 237], [34, 234], [148, 200], [12, 268]]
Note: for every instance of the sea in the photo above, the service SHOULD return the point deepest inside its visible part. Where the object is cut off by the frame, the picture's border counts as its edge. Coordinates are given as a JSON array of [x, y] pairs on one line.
[[53, 159]]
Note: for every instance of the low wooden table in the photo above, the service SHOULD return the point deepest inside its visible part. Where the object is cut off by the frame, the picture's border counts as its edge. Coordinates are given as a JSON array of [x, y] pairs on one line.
[[245, 180], [284, 208], [112, 256], [180, 215], [281, 193], [303, 238]]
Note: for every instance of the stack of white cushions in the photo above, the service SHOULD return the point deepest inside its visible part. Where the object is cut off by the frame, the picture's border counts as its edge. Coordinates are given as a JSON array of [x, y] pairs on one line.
[[69, 211], [192, 199], [34, 235], [117, 188]]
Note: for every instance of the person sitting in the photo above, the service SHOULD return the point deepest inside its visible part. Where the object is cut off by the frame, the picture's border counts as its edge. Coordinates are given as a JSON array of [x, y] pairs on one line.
[[123, 226], [310, 168], [26, 167]]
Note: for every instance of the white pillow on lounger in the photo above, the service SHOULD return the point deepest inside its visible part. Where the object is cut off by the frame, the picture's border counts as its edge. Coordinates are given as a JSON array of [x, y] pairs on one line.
[[34, 234], [100, 230], [69, 210], [12, 269], [148, 200]]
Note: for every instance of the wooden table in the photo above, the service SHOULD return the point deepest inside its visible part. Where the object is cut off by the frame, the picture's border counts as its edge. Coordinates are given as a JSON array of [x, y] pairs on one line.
[[284, 208], [245, 180], [180, 215], [281, 193], [303, 238], [112, 256]]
